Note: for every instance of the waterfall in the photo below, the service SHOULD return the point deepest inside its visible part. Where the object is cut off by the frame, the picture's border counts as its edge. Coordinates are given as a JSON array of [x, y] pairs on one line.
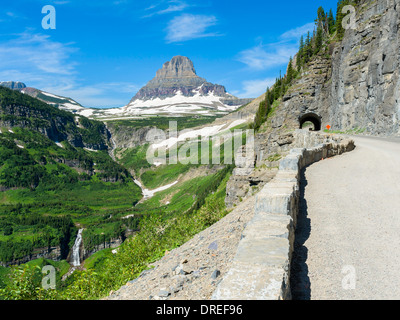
[[114, 146], [76, 249]]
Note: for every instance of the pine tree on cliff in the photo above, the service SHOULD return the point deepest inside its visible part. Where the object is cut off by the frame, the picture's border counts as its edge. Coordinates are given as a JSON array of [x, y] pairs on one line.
[[300, 54], [339, 18], [290, 72], [318, 40], [331, 22], [307, 49], [321, 21]]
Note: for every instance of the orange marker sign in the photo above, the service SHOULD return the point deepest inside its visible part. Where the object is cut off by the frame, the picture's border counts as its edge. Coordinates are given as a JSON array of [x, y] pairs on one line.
[[328, 127]]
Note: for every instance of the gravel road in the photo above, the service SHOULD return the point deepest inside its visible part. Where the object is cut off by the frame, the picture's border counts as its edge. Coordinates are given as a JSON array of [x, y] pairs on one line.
[[348, 235]]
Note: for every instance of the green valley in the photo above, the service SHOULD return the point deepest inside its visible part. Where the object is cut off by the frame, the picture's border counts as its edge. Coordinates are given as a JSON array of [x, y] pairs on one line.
[[64, 178]]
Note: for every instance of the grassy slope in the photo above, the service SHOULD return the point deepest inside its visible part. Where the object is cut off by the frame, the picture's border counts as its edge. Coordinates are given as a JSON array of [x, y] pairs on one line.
[[191, 208], [47, 180]]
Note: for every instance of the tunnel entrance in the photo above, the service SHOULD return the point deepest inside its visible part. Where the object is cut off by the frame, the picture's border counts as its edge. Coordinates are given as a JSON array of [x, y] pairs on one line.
[[310, 121]]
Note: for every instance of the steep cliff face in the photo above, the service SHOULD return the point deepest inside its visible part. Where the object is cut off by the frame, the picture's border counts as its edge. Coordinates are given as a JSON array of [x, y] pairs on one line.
[[356, 85], [365, 89], [129, 137], [352, 85]]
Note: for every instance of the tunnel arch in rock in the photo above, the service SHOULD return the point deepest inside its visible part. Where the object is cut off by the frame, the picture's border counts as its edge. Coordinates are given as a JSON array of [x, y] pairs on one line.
[[315, 119]]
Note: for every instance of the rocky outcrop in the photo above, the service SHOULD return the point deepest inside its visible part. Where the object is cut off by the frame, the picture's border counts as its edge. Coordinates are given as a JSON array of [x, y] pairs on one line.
[[14, 85], [192, 271], [365, 89], [52, 253], [354, 84], [128, 136], [178, 75], [248, 178], [178, 68]]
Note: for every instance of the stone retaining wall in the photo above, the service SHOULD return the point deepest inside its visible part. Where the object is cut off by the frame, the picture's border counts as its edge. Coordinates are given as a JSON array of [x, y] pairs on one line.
[[261, 267]]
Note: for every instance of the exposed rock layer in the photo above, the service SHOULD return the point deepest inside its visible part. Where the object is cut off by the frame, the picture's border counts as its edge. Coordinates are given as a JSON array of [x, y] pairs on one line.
[[179, 75], [355, 84]]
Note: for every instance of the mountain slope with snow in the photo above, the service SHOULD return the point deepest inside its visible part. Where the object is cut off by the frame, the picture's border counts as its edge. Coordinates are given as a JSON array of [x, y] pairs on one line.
[[177, 90], [57, 101]]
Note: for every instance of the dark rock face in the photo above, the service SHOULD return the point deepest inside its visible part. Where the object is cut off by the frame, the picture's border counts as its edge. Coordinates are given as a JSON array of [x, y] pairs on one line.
[[129, 137], [52, 253], [178, 75], [13, 85]]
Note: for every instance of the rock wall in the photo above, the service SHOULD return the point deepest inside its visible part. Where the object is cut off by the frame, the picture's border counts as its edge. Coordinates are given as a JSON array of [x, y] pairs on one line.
[[261, 267], [269, 149], [128, 137], [354, 84], [53, 253]]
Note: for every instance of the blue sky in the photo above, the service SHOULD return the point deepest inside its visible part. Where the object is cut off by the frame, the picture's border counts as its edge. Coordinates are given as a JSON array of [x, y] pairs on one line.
[[102, 52]]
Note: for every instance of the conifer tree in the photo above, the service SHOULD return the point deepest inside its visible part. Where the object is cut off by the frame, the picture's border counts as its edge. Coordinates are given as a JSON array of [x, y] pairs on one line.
[[300, 54], [290, 72], [339, 18], [307, 48], [331, 22], [318, 40], [322, 19]]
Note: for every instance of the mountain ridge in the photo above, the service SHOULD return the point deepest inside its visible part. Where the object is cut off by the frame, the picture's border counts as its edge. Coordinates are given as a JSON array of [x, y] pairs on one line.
[[177, 74], [177, 89], [63, 103]]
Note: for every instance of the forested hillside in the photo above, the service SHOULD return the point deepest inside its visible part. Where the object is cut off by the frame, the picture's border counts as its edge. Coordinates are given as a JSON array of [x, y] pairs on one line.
[[51, 183]]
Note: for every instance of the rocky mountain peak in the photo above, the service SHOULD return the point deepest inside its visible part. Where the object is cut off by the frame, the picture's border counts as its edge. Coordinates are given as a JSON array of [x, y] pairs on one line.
[[14, 85], [177, 89], [176, 75], [178, 67]]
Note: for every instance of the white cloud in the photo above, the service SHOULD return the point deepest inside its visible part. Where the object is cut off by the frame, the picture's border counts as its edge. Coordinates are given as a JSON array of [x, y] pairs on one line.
[[254, 88], [188, 26], [266, 56], [97, 95], [48, 65], [263, 57], [38, 53], [173, 6], [298, 32]]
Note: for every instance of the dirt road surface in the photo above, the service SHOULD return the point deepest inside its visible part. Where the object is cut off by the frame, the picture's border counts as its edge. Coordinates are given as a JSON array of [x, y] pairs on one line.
[[348, 235]]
